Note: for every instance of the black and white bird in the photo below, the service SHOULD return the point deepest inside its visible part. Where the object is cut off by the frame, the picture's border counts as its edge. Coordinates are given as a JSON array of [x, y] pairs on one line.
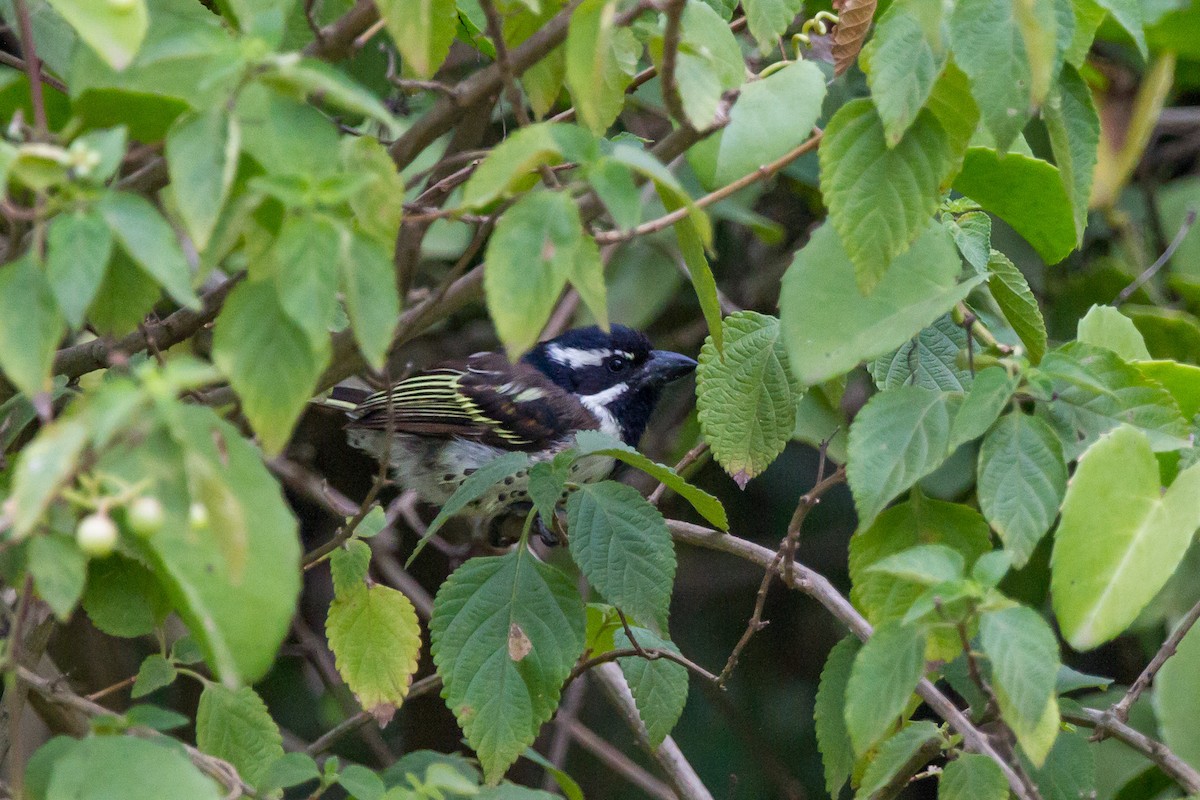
[[452, 419]]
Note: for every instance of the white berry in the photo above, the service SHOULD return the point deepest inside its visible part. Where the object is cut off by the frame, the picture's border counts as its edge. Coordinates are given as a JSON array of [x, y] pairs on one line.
[[198, 516], [96, 535], [146, 516]]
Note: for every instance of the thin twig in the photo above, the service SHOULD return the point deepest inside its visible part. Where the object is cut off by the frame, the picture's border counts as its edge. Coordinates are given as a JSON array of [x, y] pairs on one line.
[[33, 67], [1175, 767], [495, 32], [1160, 262], [9, 60], [1120, 710], [673, 12], [618, 762], [689, 458], [116, 687], [667, 220], [352, 723]]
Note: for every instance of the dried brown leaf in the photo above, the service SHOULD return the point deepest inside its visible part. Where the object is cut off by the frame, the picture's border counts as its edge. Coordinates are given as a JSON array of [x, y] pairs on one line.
[[854, 20]]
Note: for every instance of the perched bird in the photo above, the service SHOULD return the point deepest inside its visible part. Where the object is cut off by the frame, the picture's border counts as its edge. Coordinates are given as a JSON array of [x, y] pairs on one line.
[[450, 420]]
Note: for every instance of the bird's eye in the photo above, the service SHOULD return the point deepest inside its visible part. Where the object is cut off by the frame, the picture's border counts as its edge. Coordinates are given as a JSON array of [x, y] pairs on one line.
[[617, 364]]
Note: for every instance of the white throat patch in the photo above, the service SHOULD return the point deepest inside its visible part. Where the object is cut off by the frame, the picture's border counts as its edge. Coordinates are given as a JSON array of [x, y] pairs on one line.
[[574, 357], [598, 404]]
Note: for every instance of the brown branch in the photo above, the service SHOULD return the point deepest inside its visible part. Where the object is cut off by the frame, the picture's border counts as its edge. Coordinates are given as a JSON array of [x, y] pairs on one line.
[[667, 220], [508, 78], [336, 41], [9, 60], [673, 11], [820, 589], [618, 762], [647, 653], [1175, 767], [1188, 221], [689, 458], [352, 723], [33, 68], [1120, 710]]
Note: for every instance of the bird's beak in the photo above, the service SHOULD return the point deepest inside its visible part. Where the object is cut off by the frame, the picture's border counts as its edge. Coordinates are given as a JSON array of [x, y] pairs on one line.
[[665, 366]]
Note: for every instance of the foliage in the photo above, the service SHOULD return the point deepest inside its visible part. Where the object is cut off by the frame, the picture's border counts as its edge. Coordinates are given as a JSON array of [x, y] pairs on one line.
[[902, 240]]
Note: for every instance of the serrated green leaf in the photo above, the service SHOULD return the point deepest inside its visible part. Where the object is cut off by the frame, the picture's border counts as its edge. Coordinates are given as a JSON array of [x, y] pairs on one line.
[[1105, 326], [423, 31], [155, 718], [348, 566], [113, 30], [379, 206], [989, 395], [885, 673], [899, 757], [154, 673], [126, 296], [660, 687], [601, 59], [202, 156], [1070, 769], [930, 359], [311, 77], [1093, 391], [833, 740], [694, 232], [972, 234], [1074, 129], [1011, 292], [122, 766], [376, 641], [361, 783], [59, 572], [44, 465], [1021, 480], [768, 19], [746, 397], [972, 777], [79, 245], [1120, 537], [123, 598], [989, 46], [902, 62], [899, 436], [708, 62], [512, 165], [147, 238], [506, 632], [598, 443], [1129, 15], [1023, 652], [829, 327], [269, 360], [861, 180], [369, 286], [1044, 214], [235, 726], [291, 769], [30, 326], [926, 564], [306, 257], [623, 548]]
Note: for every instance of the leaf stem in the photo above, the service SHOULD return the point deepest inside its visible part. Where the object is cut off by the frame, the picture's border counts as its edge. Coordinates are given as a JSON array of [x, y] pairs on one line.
[[33, 67]]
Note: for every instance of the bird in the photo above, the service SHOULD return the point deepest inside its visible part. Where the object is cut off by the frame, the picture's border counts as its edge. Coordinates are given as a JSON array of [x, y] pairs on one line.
[[449, 420]]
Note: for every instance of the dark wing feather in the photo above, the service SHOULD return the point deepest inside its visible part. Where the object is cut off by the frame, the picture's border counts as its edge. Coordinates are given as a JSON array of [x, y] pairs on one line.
[[486, 398]]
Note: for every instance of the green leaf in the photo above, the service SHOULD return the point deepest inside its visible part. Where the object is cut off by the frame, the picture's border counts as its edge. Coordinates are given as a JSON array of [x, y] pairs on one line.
[[1027, 193], [511, 167], [746, 400], [1070, 769], [349, 565], [601, 58], [114, 30], [1020, 482], [506, 632], [660, 687], [306, 258], [269, 360], [930, 359], [1011, 292], [900, 757], [423, 31], [769, 19], [693, 232], [311, 77], [369, 287], [708, 62], [123, 598], [989, 395], [59, 572], [1074, 129], [1177, 698], [1105, 326], [1181, 380], [972, 234], [1072, 680], [837, 753], [126, 296], [148, 239], [829, 327], [1023, 652], [586, 273], [1092, 391], [881, 198], [79, 245], [926, 564], [972, 777], [885, 673], [361, 783], [155, 718], [1120, 537], [376, 640], [44, 466], [379, 205], [623, 548], [30, 326], [290, 769], [154, 673], [756, 135], [202, 156], [125, 767], [899, 437], [990, 47], [902, 62], [1128, 14], [235, 726], [598, 443]]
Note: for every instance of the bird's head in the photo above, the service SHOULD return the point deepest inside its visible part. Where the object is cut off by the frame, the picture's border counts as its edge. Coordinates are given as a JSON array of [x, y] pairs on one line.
[[616, 374]]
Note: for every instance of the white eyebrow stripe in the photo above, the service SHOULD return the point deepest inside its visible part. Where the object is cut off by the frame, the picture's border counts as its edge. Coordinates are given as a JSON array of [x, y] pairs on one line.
[[575, 357], [598, 404]]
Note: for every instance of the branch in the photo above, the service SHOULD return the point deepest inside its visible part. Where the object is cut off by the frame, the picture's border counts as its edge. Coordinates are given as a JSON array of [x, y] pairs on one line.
[[820, 589], [9, 60], [1105, 722], [618, 762], [1120, 710], [1152, 270], [673, 11], [424, 686], [336, 41], [495, 31], [33, 67], [679, 772], [667, 220]]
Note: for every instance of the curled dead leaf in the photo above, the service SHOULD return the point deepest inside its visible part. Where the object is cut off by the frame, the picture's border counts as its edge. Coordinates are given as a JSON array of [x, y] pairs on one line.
[[854, 20]]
